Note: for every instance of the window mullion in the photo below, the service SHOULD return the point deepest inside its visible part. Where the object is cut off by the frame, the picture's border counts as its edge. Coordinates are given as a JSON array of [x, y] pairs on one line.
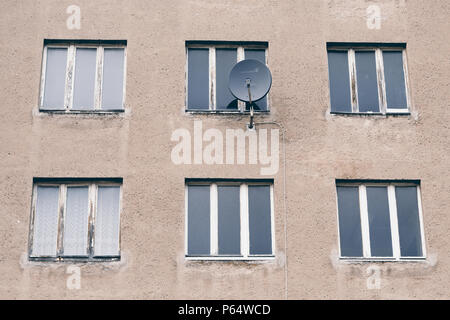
[[353, 80], [61, 217], [70, 73], [394, 222], [240, 54], [240, 57], [364, 221], [381, 84], [212, 78], [244, 220], [98, 78], [91, 219], [214, 220]]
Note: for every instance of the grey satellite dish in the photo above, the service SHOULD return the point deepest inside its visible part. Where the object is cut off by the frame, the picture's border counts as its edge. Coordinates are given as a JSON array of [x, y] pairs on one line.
[[250, 80]]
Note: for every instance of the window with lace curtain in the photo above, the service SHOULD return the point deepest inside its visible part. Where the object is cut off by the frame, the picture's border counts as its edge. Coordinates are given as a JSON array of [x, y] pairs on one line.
[[75, 220]]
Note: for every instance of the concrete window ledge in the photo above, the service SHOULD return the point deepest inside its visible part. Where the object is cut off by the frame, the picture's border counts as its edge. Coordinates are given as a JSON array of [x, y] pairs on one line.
[[391, 267], [89, 266], [125, 113], [371, 114], [255, 260], [275, 261]]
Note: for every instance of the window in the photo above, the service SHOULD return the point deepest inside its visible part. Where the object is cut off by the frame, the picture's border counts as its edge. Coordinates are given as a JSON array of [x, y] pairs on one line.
[[83, 76], [229, 220], [368, 79], [380, 220], [208, 68], [76, 220]]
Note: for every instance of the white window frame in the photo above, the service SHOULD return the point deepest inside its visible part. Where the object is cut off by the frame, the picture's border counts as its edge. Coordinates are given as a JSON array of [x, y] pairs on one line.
[[244, 222], [381, 84], [212, 75], [62, 198], [70, 75], [364, 215]]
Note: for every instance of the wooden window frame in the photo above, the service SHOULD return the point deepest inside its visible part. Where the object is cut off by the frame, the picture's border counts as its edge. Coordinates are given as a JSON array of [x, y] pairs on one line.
[[244, 221], [62, 198], [70, 76], [381, 84], [212, 74], [365, 232]]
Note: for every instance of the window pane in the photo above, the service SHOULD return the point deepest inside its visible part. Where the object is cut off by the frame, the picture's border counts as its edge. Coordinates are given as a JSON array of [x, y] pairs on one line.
[[379, 222], [225, 61], [76, 221], [256, 54], [408, 221], [107, 220], [349, 222], [84, 81], [339, 81], [112, 87], [229, 220], [198, 220], [259, 220], [46, 222], [55, 78], [366, 75], [260, 55], [395, 79], [198, 79]]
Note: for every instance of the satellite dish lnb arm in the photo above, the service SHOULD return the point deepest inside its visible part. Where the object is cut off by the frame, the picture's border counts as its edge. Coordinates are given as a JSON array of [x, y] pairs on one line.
[[247, 82]]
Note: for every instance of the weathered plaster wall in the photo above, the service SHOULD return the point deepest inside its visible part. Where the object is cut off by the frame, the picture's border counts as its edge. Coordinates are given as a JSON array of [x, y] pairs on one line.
[[136, 145]]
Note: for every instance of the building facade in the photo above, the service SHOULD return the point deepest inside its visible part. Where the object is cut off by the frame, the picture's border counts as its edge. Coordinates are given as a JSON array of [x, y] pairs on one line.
[[123, 175]]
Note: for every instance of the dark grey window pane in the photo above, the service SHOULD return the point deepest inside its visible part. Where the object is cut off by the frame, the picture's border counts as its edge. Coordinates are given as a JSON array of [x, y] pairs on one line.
[[112, 91], [379, 222], [198, 220], [260, 55], [229, 220], [256, 54], [395, 79], [339, 81], [55, 78], [84, 81], [408, 222], [259, 219], [366, 75], [107, 221], [198, 79], [76, 221], [225, 61], [349, 222], [45, 228]]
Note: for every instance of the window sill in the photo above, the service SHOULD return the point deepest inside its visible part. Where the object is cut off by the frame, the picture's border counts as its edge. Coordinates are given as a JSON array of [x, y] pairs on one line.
[[225, 112], [230, 258], [382, 260], [99, 112], [365, 114], [73, 259]]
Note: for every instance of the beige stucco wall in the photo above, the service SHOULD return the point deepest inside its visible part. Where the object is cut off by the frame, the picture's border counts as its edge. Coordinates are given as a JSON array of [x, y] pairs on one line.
[[136, 146]]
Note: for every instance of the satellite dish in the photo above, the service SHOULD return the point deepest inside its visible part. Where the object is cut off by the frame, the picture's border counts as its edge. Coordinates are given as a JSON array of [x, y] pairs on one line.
[[250, 80], [253, 75]]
